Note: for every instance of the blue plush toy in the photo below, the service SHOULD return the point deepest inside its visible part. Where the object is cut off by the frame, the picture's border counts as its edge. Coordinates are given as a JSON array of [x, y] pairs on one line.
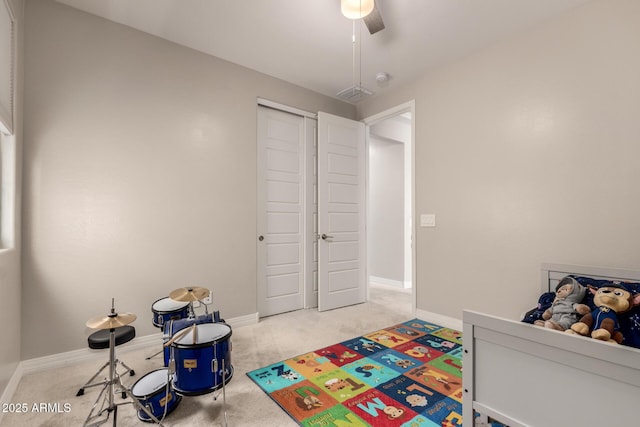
[[602, 322]]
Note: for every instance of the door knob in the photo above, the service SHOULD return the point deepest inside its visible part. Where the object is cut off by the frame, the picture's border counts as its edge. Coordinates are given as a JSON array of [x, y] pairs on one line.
[[261, 238], [325, 236]]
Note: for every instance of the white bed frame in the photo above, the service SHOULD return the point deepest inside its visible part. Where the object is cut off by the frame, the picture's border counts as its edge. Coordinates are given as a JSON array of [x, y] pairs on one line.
[[525, 375]]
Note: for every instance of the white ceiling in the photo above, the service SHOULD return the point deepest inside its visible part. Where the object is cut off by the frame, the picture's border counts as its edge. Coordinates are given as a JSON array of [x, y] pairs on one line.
[[308, 42]]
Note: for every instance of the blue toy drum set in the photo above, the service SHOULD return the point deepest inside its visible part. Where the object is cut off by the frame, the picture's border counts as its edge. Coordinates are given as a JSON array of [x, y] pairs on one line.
[[197, 355]]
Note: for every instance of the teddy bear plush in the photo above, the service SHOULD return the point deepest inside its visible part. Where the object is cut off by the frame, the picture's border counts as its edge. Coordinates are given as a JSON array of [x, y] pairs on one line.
[[602, 322], [566, 308]]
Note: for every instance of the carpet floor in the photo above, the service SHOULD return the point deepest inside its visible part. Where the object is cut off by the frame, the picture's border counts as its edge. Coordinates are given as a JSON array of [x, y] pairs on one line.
[[270, 340]]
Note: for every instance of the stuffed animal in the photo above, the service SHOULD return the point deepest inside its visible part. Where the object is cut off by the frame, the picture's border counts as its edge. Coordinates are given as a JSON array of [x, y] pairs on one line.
[[566, 308], [602, 322]]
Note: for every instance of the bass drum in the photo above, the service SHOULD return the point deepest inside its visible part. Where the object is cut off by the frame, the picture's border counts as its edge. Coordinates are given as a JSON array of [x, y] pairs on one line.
[[202, 359]]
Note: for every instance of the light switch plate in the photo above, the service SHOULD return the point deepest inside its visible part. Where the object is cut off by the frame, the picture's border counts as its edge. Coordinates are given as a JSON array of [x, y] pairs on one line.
[[427, 220]]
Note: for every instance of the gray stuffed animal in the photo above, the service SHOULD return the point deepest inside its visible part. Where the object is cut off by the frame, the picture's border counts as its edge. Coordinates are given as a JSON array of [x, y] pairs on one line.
[[566, 308]]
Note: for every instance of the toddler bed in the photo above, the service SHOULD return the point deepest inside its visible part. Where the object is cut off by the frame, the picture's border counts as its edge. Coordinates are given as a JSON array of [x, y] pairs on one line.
[[525, 375]]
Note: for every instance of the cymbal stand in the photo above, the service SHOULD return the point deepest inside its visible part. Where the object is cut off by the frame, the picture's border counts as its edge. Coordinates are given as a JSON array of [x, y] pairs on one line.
[[191, 313], [107, 392]]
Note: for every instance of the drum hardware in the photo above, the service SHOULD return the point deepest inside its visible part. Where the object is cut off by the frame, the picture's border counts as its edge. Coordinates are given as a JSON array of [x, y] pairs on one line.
[[100, 340], [154, 354], [224, 394], [112, 321]]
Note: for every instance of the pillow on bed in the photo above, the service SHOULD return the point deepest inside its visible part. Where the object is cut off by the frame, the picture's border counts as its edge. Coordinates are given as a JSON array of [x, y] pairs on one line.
[[629, 321]]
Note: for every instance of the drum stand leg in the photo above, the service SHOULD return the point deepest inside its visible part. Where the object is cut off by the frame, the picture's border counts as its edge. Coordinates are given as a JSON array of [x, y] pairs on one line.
[[90, 383], [107, 394], [154, 355], [224, 394]]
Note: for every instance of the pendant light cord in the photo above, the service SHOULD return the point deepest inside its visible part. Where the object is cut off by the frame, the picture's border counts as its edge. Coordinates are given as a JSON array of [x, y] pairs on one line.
[[353, 56]]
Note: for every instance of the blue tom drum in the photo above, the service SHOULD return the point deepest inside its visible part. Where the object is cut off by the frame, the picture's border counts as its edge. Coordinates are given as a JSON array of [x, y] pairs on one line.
[[166, 309], [155, 393], [202, 359]]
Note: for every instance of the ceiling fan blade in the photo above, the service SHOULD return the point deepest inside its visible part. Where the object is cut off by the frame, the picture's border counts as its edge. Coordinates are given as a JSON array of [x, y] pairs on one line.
[[373, 21]]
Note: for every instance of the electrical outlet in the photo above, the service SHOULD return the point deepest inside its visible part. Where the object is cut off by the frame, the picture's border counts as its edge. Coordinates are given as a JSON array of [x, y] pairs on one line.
[[428, 220]]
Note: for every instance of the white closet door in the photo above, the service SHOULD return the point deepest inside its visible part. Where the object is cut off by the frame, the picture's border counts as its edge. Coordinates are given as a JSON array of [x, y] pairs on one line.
[[341, 212], [280, 246]]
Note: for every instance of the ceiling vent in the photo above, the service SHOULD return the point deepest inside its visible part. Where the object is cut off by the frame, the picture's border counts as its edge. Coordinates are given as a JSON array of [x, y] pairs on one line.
[[354, 93]]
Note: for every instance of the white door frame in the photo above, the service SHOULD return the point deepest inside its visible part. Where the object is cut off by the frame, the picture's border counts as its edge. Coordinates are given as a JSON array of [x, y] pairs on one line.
[[408, 107]]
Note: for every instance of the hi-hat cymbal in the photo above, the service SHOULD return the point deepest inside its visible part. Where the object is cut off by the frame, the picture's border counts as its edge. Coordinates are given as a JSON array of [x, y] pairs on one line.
[[189, 294], [111, 321]]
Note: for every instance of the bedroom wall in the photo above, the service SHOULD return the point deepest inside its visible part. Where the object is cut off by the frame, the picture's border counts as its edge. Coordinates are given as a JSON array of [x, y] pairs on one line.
[[527, 152], [10, 285], [140, 174]]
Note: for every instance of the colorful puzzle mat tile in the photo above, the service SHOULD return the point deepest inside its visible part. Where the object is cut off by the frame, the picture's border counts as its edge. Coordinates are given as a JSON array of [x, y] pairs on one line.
[[406, 375], [310, 364], [339, 354], [387, 338]]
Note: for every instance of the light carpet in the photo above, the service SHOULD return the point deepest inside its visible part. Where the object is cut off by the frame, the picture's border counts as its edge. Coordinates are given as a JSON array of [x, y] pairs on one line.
[[268, 341]]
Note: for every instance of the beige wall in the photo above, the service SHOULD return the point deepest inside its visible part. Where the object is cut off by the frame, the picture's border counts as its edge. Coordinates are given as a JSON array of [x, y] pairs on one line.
[[140, 174], [528, 153], [140, 168], [385, 216], [10, 287]]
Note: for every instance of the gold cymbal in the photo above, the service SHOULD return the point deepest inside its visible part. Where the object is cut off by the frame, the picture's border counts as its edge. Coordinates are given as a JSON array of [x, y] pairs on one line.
[[111, 321], [189, 294]]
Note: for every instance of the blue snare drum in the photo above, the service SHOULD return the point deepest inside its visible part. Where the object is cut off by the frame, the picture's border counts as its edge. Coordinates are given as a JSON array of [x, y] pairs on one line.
[[202, 359], [170, 328], [166, 309], [154, 392]]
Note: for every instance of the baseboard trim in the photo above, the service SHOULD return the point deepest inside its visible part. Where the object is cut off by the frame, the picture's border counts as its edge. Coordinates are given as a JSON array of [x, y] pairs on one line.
[[73, 357], [390, 282], [439, 319], [83, 355], [249, 319], [10, 389]]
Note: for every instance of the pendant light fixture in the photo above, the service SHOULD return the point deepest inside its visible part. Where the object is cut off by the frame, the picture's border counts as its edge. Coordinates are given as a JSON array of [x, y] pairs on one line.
[[356, 9]]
